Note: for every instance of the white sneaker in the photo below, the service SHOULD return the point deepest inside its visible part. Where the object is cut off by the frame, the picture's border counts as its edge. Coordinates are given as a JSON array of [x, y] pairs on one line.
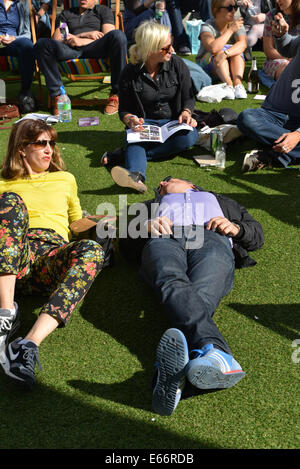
[[229, 90], [240, 92]]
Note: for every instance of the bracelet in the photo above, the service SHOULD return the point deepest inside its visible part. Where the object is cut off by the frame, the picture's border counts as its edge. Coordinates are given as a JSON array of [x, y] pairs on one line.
[[126, 122], [187, 110]]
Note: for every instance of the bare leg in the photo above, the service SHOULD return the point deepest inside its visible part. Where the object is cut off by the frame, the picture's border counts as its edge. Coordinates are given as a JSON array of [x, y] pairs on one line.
[[44, 325], [7, 290], [237, 68], [222, 72]]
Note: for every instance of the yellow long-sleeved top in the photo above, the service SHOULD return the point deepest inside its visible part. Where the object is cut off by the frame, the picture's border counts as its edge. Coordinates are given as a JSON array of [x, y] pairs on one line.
[[51, 200]]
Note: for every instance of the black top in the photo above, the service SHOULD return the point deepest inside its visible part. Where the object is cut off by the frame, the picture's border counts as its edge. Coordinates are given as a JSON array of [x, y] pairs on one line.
[[162, 98], [90, 20]]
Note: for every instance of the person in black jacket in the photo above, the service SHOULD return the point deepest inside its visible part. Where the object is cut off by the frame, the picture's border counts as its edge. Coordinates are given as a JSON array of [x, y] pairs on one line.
[[155, 88], [190, 242]]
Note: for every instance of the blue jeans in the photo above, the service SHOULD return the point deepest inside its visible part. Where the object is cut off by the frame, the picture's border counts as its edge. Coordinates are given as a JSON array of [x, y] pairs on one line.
[[176, 8], [198, 75], [190, 283], [137, 154], [22, 48], [266, 126], [48, 52]]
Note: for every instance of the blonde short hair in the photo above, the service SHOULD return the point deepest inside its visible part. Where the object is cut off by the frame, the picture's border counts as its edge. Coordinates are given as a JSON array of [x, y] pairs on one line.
[[149, 38], [28, 130]]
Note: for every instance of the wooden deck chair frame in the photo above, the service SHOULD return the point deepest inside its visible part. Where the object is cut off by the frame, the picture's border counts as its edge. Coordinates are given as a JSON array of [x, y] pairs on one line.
[[34, 39], [87, 76]]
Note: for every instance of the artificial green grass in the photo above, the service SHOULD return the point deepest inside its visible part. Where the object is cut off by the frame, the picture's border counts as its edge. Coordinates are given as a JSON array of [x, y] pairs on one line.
[[95, 387]]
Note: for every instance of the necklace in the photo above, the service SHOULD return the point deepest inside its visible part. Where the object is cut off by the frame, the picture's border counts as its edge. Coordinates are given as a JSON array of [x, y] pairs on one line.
[[37, 180]]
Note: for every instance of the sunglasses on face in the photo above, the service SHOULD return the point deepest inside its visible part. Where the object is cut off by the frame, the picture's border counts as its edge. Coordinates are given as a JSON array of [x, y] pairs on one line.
[[167, 49], [40, 144], [231, 7]]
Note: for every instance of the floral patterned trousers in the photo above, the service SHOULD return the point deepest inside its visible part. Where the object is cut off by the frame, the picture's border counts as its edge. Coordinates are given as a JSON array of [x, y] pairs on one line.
[[42, 260]]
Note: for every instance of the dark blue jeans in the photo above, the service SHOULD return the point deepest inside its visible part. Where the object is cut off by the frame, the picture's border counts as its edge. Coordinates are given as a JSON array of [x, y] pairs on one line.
[[137, 154], [176, 8], [112, 45], [266, 126], [190, 283], [22, 48]]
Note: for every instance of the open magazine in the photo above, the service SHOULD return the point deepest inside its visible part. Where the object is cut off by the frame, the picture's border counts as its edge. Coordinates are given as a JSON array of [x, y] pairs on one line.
[[154, 133]]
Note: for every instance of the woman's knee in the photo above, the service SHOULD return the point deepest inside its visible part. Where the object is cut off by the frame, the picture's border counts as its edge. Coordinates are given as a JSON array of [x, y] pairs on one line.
[[89, 250]]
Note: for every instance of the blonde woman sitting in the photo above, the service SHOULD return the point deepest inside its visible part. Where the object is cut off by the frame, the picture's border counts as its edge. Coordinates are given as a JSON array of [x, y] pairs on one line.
[[155, 88]]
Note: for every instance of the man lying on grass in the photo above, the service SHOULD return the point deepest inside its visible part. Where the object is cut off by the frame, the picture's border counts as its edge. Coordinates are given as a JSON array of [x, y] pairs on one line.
[[194, 240]]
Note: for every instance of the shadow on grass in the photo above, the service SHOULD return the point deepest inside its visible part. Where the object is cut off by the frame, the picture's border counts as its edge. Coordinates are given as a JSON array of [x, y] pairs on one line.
[[45, 418], [283, 319]]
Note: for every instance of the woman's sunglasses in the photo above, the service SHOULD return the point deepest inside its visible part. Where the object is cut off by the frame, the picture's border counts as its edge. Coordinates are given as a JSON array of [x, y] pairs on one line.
[[40, 144], [231, 7], [167, 49]]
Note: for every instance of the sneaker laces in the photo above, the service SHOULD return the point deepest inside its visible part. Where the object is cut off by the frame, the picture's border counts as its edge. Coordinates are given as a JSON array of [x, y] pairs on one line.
[[31, 355], [5, 324]]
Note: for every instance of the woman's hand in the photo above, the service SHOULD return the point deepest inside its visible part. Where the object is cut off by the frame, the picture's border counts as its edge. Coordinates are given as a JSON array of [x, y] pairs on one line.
[[186, 118], [219, 58], [134, 123], [235, 25], [284, 27], [287, 142]]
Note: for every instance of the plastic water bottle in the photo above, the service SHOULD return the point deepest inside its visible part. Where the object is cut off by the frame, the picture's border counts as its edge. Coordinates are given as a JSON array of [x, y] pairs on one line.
[[64, 106]]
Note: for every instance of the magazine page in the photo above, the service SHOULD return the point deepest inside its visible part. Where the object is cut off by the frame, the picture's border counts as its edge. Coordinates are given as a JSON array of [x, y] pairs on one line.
[[171, 127], [152, 133]]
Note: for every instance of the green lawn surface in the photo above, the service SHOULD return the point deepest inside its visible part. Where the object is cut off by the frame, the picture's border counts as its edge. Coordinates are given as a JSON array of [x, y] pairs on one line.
[[94, 390]]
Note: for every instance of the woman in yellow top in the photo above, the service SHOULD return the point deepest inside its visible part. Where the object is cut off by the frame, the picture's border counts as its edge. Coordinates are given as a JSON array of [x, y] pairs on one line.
[[38, 202]]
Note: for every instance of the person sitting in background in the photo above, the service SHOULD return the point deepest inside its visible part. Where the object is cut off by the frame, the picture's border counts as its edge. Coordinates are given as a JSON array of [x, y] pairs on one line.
[[179, 8], [189, 248], [38, 201], [92, 34], [155, 88], [276, 124], [254, 16], [42, 13], [15, 41], [223, 41], [137, 11], [275, 63]]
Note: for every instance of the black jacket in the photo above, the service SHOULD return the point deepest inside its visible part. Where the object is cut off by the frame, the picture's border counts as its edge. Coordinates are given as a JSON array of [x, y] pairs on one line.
[[250, 237], [131, 84]]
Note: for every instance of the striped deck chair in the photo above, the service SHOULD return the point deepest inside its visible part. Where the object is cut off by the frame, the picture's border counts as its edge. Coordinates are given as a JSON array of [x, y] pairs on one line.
[[10, 64], [86, 69]]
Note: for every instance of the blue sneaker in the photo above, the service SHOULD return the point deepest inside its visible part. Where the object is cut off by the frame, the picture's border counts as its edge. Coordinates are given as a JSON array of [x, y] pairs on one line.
[[213, 369], [172, 358]]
